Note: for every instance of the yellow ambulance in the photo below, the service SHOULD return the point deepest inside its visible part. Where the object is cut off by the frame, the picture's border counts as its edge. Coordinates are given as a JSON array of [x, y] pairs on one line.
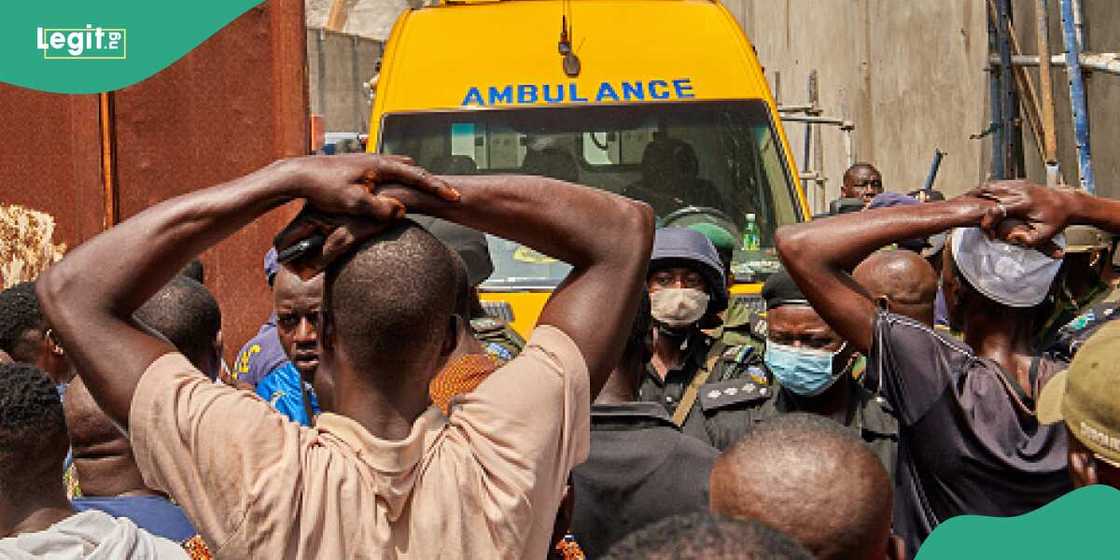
[[659, 100]]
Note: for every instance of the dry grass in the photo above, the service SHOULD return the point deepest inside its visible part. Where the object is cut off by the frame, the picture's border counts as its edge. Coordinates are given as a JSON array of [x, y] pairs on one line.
[[26, 248]]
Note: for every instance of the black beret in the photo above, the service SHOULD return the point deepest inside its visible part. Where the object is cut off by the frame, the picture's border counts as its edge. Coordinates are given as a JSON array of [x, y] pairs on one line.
[[780, 289], [469, 243]]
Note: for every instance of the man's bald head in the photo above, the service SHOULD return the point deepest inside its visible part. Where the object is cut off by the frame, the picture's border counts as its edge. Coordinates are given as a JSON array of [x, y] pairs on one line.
[[188, 316], [907, 280], [701, 536], [388, 304], [808, 477]]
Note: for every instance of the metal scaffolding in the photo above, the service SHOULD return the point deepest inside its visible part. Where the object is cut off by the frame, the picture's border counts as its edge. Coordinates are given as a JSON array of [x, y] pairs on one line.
[[1010, 84], [812, 172]]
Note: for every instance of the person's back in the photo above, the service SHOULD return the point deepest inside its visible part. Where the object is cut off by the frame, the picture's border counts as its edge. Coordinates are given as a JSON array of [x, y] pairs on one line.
[[424, 469], [386, 474], [107, 473], [969, 441], [90, 535], [807, 476], [641, 467], [36, 520]]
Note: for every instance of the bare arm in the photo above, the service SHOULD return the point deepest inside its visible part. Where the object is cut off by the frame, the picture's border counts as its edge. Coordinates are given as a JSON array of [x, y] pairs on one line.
[[1046, 211], [606, 238], [819, 254], [89, 296]]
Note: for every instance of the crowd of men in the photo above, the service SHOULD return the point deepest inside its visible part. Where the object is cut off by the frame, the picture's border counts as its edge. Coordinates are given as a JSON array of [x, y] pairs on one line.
[[914, 361]]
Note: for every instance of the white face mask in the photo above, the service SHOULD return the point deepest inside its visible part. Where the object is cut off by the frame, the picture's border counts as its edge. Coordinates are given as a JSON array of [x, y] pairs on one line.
[[678, 307]]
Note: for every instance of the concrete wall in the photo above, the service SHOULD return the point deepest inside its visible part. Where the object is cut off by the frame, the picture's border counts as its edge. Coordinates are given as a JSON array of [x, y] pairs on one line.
[[339, 66], [911, 75], [372, 19]]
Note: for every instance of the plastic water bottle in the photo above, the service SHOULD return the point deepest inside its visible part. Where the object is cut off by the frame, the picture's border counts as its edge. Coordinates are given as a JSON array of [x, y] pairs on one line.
[[750, 234]]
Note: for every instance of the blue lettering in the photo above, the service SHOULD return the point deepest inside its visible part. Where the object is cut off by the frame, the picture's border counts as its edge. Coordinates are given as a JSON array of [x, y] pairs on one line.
[[573, 94], [473, 96], [559, 94], [527, 94], [684, 88], [504, 95], [633, 91], [606, 91]]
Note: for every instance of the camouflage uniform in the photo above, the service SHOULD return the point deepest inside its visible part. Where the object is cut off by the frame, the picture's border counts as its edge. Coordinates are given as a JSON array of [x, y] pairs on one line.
[[743, 325], [1093, 316], [498, 338], [1080, 240], [1066, 310], [731, 408], [727, 364]]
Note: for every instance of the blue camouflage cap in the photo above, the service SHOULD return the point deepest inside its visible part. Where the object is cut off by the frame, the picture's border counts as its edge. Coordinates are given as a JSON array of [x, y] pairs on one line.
[[890, 199], [673, 245], [271, 265]]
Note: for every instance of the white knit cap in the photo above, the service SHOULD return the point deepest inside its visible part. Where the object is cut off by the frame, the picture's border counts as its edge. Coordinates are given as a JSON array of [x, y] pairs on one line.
[[1009, 274]]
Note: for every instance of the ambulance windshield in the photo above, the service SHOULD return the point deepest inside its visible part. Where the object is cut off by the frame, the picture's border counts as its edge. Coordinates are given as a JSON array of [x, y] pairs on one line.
[[718, 162]]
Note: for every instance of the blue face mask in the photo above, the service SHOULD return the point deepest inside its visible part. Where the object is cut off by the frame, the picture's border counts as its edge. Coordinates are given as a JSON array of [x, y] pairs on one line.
[[803, 371]]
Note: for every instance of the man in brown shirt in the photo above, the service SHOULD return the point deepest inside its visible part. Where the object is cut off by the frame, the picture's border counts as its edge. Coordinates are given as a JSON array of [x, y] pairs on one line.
[[387, 475]]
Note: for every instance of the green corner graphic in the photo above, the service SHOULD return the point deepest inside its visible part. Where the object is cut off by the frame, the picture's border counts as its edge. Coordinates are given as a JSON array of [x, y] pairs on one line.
[[1080, 524], [72, 46]]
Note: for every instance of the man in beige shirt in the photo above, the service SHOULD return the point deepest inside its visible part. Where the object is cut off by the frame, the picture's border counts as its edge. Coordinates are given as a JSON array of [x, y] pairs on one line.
[[387, 475]]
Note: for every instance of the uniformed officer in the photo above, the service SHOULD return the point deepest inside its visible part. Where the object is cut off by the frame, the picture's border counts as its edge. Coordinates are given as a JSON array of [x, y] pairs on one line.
[[1086, 282], [739, 322], [1088, 295], [686, 283], [810, 370], [496, 335]]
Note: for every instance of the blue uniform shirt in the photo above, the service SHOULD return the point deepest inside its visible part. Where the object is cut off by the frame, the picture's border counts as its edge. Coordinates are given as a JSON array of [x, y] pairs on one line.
[[283, 389], [155, 514], [260, 356]]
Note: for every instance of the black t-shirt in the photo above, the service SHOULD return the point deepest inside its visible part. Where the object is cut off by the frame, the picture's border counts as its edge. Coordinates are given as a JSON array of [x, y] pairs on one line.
[[969, 441], [640, 469]]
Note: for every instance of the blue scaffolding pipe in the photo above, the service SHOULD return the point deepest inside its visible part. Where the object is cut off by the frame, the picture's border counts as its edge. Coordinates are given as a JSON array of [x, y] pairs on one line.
[[933, 167], [995, 97], [1012, 150], [1077, 97]]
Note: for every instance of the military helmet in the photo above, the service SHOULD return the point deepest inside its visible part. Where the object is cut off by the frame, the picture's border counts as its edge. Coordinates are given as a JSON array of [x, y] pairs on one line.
[[674, 246]]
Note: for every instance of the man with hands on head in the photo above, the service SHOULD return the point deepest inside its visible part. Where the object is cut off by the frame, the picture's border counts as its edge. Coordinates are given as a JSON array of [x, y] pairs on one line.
[[970, 442], [387, 475]]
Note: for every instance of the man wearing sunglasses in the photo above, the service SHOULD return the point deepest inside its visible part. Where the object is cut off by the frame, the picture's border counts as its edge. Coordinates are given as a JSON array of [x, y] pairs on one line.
[[862, 180]]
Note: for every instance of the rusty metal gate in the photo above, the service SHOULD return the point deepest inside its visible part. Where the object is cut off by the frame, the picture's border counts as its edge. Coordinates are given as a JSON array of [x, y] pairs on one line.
[[232, 105]]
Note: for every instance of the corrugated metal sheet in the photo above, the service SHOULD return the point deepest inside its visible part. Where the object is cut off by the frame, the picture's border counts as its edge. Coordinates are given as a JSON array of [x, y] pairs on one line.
[[234, 104], [50, 158]]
